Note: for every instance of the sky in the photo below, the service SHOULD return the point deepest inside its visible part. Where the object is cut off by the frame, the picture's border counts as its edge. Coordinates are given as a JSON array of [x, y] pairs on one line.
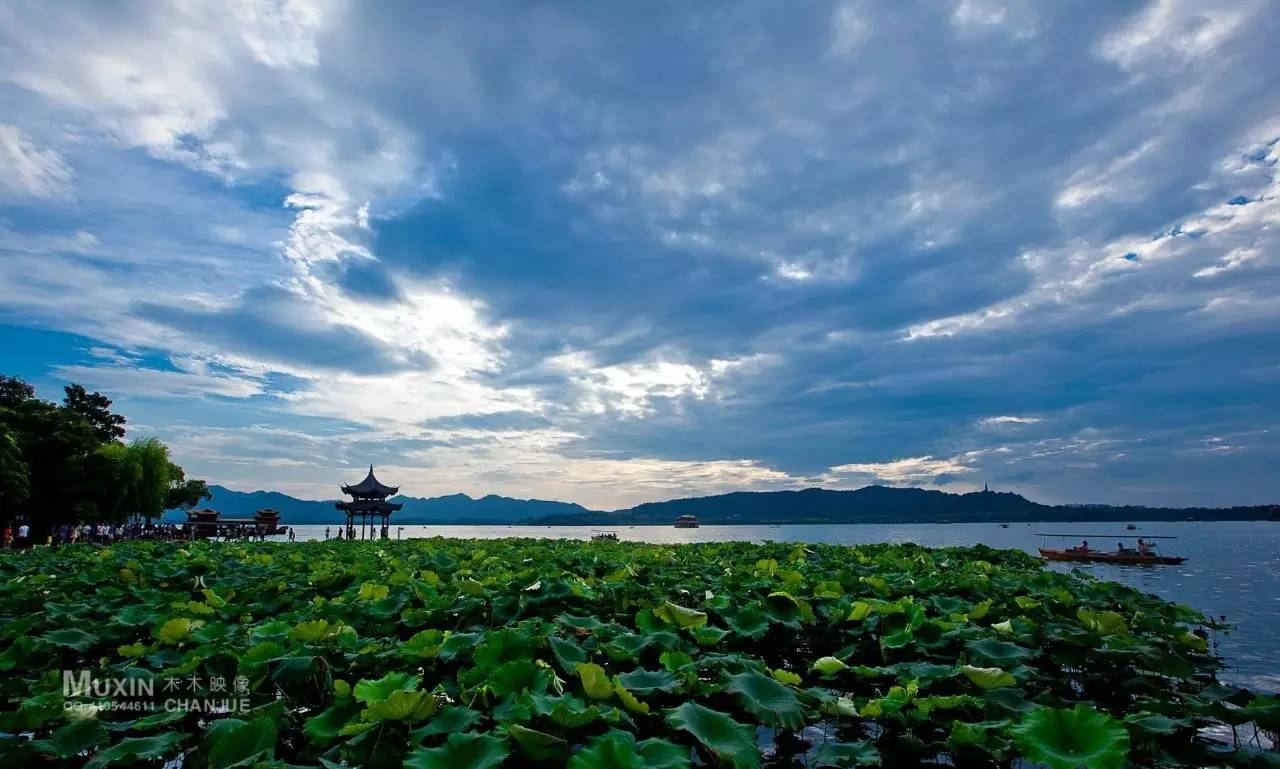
[[616, 252]]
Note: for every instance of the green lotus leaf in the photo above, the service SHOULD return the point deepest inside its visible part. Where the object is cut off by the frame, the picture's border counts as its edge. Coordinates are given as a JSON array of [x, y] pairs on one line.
[[987, 735], [675, 660], [74, 738], [131, 750], [828, 666], [458, 646], [1069, 739], [732, 742], [617, 749], [926, 705], [411, 706], [518, 676], [846, 754], [372, 591], [177, 630], [567, 653], [231, 742], [997, 653], [325, 727], [425, 644], [595, 682], [70, 638], [566, 711], [680, 616], [1104, 623], [377, 690], [748, 621], [536, 745], [988, 678], [264, 651], [131, 650], [786, 677], [859, 611], [773, 703], [643, 681], [1155, 723], [468, 750], [447, 721], [629, 701], [626, 646], [708, 635], [313, 631]]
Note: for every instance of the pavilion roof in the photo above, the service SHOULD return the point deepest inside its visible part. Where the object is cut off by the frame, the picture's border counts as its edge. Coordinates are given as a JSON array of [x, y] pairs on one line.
[[370, 486], [369, 506]]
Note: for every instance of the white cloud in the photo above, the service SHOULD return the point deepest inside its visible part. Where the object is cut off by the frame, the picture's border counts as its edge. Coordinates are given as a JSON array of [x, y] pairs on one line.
[[28, 170], [156, 383], [849, 29], [1002, 421], [914, 470], [1179, 29], [630, 389], [1236, 258]]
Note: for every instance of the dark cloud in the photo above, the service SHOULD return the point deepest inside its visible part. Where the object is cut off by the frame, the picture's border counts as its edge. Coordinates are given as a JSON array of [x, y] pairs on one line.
[[275, 325]]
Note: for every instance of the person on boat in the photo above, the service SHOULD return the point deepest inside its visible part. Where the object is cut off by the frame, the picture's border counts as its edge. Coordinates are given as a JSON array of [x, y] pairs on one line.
[[1120, 548], [1143, 547], [1084, 547]]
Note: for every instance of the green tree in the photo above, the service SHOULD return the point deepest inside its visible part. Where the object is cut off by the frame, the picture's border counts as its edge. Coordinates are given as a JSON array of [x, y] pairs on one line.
[[55, 446], [95, 408], [117, 476], [152, 458], [15, 483], [185, 494], [14, 392], [64, 463]]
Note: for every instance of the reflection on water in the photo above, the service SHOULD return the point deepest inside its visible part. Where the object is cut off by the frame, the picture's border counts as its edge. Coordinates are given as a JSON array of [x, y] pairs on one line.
[[1232, 568]]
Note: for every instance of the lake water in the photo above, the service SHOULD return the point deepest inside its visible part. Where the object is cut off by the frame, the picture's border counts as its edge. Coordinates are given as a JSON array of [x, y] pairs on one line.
[[1232, 568]]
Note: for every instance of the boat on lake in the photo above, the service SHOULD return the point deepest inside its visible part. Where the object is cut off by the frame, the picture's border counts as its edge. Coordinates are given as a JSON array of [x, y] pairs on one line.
[[1143, 555], [1131, 527], [687, 522], [604, 536], [1126, 557]]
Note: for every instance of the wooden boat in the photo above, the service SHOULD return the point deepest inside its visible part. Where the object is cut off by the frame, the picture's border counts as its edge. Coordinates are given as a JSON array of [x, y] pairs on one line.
[[687, 522], [604, 536], [1131, 527], [1128, 557], [1004, 525]]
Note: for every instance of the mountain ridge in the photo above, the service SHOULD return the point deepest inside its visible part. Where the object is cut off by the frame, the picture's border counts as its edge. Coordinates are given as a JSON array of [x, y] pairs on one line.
[[869, 504]]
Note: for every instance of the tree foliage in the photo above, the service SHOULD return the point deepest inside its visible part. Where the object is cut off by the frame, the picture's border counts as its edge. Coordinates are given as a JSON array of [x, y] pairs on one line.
[[65, 463], [95, 408]]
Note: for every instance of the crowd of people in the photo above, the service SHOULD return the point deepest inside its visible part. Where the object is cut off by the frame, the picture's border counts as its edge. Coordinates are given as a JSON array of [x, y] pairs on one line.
[[20, 536]]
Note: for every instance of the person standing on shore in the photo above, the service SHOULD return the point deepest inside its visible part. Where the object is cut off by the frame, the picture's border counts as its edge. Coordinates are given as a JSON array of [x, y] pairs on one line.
[[326, 533]]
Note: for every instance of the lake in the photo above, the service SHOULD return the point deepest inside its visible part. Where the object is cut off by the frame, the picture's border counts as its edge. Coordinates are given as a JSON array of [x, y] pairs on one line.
[[1232, 567]]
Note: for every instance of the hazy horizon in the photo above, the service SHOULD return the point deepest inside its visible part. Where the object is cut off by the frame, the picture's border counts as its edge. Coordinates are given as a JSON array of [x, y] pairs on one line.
[[613, 254]]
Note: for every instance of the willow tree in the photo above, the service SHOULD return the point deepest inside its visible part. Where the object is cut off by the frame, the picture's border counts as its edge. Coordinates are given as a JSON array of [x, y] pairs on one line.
[[155, 474]]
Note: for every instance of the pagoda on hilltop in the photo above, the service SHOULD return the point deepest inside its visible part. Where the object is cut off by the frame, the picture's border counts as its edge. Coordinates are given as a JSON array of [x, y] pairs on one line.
[[368, 504]]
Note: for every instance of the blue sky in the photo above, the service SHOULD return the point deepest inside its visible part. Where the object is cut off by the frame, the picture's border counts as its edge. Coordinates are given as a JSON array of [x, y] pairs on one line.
[[612, 253]]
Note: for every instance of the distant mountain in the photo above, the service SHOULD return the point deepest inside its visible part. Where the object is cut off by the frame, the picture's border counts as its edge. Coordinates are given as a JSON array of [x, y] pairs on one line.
[[454, 508], [889, 504], [870, 504]]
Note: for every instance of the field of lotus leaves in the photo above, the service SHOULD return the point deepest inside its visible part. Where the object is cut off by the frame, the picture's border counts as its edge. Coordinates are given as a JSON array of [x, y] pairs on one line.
[[451, 654]]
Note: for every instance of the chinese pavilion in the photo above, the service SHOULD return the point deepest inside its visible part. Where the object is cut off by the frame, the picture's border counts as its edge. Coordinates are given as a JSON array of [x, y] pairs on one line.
[[368, 504]]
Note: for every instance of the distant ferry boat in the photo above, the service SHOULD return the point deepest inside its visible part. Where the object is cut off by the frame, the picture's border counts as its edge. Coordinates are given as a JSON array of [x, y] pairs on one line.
[[687, 522]]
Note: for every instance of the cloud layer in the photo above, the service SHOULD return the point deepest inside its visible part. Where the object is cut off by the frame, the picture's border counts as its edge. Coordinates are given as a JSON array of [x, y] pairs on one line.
[[614, 255]]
